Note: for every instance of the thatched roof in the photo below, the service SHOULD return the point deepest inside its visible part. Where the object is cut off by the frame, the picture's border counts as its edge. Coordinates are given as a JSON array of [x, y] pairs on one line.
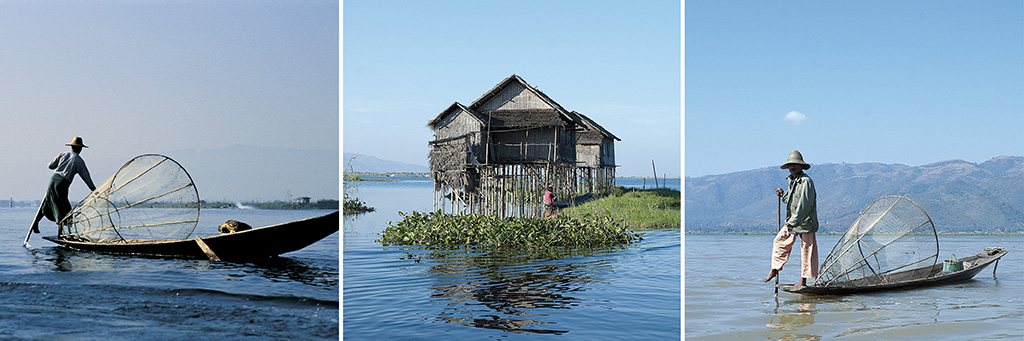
[[590, 125], [525, 118]]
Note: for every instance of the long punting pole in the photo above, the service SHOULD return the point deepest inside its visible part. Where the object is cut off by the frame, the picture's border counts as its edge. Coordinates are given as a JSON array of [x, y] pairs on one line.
[[29, 235], [779, 215]]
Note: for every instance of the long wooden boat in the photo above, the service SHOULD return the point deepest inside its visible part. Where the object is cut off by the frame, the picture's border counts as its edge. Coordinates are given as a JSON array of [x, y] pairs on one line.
[[916, 278], [251, 244]]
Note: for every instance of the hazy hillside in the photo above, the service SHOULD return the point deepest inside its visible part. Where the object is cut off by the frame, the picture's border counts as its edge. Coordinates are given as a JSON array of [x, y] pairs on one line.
[[371, 164], [959, 196], [249, 173]]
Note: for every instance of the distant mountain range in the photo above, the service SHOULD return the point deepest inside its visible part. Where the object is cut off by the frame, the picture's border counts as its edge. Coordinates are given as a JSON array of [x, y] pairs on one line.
[[958, 195], [371, 164], [253, 174]]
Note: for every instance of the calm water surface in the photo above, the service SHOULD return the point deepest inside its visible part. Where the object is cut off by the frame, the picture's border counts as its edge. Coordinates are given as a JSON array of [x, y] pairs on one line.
[[725, 298], [628, 292], [648, 183], [52, 293]]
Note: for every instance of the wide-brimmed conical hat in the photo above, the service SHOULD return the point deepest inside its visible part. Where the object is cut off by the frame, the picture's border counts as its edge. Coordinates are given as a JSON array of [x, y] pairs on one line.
[[77, 141], [797, 158]]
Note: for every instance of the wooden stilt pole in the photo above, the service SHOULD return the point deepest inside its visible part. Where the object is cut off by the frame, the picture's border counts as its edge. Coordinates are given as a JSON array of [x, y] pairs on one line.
[[655, 174]]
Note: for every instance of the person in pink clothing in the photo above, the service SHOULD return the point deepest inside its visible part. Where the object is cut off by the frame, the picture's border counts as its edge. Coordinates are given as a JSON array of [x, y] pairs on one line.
[[549, 198], [801, 220]]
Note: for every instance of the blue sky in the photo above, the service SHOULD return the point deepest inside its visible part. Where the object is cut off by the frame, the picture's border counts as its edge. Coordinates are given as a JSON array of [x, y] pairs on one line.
[[910, 82], [618, 62], [164, 76]]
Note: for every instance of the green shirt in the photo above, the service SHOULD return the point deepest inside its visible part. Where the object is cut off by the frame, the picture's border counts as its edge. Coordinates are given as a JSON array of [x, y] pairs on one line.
[[801, 205]]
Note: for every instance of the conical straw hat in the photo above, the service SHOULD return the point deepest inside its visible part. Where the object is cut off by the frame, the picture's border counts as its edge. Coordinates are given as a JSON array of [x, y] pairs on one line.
[[797, 158], [77, 141]]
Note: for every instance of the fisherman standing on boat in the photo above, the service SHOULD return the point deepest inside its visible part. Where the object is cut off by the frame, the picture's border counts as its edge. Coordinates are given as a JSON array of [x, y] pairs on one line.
[[801, 220], [55, 205]]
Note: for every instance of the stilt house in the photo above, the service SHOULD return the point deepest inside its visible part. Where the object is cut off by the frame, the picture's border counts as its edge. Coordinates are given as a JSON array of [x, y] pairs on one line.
[[497, 155]]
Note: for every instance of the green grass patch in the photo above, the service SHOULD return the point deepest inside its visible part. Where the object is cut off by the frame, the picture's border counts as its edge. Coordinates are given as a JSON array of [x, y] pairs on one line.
[[651, 208], [351, 177], [1010, 234], [439, 229]]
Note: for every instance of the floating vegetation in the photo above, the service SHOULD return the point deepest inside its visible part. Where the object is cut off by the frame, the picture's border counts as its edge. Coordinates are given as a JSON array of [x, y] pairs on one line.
[[439, 229], [351, 204], [355, 206]]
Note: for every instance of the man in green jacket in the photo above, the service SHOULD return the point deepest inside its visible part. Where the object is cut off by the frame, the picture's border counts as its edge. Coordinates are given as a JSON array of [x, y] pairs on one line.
[[801, 220]]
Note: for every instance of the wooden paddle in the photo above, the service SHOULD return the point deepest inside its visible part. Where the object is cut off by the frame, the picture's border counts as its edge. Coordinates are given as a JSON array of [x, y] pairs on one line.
[[206, 249]]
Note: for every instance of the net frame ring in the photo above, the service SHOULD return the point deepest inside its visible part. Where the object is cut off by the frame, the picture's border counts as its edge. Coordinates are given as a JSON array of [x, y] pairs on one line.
[[833, 259], [107, 187]]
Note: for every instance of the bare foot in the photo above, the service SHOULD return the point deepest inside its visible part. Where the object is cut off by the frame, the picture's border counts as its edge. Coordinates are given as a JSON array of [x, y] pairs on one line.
[[803, 282], [771, 275]]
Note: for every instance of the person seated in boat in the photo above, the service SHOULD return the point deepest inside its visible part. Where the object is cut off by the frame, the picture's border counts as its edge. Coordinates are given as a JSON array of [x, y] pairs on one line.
[[55, 204], [801, 220], [232, 226]]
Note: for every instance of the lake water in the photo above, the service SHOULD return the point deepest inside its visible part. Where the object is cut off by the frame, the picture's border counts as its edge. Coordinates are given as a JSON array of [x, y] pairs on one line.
[[49, 292], [725, 298], [648, 183], [399, 292]]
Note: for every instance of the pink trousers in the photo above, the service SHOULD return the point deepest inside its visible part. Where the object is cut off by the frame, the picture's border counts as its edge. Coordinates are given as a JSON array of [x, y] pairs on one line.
[[783, 244]]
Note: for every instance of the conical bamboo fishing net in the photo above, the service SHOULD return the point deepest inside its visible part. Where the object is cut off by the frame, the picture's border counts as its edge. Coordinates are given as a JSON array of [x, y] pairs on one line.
[[150, 198], [892, 235]]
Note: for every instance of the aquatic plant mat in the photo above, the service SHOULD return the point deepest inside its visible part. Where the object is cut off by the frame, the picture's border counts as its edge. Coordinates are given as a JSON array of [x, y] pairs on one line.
[[350, 204], [439, 229], [355, 206]]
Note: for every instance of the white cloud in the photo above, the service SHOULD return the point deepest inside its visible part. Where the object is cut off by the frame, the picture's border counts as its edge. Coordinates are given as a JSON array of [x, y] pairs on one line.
[[795, 116]]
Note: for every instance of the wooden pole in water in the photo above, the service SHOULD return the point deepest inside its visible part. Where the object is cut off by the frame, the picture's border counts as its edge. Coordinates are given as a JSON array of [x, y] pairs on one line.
[[655, 174], [29, 235], [779, 214]]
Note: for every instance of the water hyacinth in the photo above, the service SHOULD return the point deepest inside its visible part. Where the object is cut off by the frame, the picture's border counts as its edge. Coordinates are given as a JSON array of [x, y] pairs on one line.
[[439, 229]]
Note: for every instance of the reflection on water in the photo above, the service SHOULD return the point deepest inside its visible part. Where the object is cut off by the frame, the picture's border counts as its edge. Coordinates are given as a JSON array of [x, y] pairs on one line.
[[410, 292], [509, 292], [283, 268], [789, 319], [60, 259]]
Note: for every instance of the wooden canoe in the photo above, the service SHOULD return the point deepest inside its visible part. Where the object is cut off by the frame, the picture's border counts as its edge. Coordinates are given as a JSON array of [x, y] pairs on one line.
[[252, 244], [909, 279]]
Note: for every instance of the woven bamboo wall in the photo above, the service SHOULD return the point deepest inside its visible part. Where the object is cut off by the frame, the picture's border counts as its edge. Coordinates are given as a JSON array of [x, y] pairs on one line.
[[448, 162]]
